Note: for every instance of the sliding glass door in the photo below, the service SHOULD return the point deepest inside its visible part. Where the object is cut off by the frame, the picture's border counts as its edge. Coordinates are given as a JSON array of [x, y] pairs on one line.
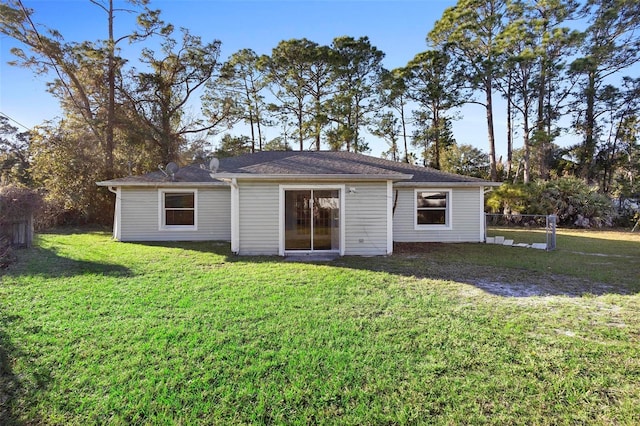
[[312, 220]]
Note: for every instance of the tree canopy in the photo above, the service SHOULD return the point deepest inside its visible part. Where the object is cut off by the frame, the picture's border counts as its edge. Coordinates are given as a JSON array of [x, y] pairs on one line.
[[176, 96]]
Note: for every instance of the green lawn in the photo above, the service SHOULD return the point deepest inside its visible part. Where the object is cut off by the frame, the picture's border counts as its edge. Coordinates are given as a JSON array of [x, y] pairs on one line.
[[98, 332]]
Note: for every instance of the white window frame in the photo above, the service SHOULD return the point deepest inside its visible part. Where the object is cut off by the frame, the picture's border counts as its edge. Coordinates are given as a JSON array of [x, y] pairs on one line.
[[447, 225], [162, 226]]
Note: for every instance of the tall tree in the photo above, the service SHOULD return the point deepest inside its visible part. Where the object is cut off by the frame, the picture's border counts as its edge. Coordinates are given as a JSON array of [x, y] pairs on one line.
[[465, 160], [320, 88], [288, 70], [424, 135], [393, 95], [626, 184], [232, 146], [79, 66], [435, 86], [521, 67], [241, 83], [611, 45], [14, 154], [555, 43], [160, 95], [617, 128], [389, 129], [63, 163], [357, 71], [469, 31]]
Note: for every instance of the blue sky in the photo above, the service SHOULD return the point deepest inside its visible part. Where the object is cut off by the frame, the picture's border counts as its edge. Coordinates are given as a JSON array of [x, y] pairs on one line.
[[397, 27]]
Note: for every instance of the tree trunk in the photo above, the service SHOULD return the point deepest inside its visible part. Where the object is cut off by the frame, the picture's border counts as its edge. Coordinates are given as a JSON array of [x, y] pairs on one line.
[[259, 134], [492, 140], [588, 148], [526, 173], [253, 133], [111, 78], [541, 131], [318, 127], [509, 131], [251, 123], [356, 125], [436, 139], [404, 132], [255, 101], [300, 134]]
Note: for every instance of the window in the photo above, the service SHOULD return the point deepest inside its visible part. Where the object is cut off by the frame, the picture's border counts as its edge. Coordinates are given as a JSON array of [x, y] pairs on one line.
[[178, 209], [432, 208]]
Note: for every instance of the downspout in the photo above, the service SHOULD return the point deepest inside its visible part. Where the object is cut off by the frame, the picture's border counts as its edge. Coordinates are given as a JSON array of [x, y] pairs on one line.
[[395, 202], [116, 213], [483, 218], [390, 210], [235, 214]]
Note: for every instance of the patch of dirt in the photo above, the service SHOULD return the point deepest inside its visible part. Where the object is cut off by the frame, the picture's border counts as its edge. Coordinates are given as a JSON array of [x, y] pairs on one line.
[[498, 281], [545, 286]]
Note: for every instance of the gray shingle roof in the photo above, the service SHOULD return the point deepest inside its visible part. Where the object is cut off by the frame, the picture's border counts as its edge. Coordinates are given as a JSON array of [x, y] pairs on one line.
[[292, 163]]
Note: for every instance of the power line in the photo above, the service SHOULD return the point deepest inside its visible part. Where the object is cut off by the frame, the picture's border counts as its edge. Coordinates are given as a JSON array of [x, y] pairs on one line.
[[15, 121]]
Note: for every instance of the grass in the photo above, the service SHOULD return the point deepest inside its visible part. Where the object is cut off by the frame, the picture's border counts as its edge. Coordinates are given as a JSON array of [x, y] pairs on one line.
[[93, 331]]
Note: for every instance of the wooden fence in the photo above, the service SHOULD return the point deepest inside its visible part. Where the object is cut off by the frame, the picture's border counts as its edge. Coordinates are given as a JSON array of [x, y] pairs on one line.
[[19, 233]]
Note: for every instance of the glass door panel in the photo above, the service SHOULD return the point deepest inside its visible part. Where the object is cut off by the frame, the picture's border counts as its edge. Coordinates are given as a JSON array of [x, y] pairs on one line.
[[312, 220], [326, 217], [297, 220]]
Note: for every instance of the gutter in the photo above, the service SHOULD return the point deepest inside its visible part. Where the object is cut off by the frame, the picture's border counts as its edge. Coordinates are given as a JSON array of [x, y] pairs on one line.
[[224, 179], [112, 184], [451, 184]]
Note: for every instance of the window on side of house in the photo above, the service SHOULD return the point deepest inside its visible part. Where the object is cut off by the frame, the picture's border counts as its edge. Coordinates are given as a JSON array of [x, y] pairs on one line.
[[433, 209], [178, 209]]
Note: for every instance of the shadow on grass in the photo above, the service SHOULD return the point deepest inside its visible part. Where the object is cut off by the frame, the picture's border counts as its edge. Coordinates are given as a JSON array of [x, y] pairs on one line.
[[219, 248], [80, 229], [9, 382], [500, 271], [48, 263], [12, 386]]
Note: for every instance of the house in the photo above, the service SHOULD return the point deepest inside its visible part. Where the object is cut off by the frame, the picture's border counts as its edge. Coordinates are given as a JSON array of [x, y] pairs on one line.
[[288, 202]]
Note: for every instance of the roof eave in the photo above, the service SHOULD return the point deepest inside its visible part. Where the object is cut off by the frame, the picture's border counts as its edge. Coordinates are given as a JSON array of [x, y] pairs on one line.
[[450, 184], [160, 184]]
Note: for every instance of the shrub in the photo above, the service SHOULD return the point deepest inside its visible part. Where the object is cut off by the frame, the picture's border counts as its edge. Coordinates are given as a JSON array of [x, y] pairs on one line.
[[573, 201], [51, 214], [508, 199]]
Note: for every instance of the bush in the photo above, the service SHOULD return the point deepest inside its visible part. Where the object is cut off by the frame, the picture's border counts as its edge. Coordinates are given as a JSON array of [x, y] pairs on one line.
[[627, 212], [51, 214], [573, 201]]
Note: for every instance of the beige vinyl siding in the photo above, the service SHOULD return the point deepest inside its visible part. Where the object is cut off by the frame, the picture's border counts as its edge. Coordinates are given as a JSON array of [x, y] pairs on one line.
[[366, 219], [466, 207], [140, 216], [259, 218]]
